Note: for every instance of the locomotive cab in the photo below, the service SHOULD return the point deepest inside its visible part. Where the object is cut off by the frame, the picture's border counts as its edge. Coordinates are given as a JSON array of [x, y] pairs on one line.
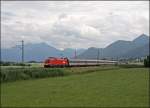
[[56, 62]]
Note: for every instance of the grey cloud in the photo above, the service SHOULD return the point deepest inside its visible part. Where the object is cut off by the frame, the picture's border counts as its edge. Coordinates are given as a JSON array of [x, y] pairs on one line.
[[70, 24]]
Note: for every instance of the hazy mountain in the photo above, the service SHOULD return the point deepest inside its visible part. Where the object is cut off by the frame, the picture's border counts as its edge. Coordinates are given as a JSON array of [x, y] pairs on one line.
[[11, 54], [139, 47], [117, 48], [68, 52], [40, 51], [90, 53], [141, 51], [36, 52], [142, 39]]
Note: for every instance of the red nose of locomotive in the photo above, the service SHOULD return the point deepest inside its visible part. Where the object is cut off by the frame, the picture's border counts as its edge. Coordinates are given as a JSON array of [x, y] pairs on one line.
[[56, 62]]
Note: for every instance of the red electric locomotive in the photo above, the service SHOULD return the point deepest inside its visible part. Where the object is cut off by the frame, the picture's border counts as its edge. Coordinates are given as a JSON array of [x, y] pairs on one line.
[[56, 62], [65, 62]]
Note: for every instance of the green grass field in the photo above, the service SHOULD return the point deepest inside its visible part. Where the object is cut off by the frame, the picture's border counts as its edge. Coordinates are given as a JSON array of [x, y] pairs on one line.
[[123, 87]]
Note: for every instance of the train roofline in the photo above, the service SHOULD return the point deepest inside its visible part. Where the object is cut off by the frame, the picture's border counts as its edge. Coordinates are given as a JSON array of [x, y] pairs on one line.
[[91, 60]]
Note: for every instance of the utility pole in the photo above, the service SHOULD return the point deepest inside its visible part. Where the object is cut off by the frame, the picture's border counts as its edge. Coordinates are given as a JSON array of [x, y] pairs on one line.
[[75, 54], [98, 54], [22, 48]]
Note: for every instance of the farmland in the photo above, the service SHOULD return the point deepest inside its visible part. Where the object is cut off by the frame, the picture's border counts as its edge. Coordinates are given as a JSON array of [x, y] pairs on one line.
[[107, 86]]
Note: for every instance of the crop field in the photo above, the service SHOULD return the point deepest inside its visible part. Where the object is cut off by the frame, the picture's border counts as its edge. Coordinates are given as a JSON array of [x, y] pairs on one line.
[[105, 86]]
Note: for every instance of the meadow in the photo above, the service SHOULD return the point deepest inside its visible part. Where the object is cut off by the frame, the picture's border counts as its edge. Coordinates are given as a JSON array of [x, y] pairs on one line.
[[104, 86]]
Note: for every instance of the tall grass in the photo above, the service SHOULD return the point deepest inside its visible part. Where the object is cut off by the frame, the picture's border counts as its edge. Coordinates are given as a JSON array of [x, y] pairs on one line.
[[130, 66], [13, 74]]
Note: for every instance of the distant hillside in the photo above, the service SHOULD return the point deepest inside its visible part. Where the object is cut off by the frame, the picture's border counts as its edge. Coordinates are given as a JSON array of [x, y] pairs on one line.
[[68, 52], [139, 47], [142, 39], [36, 52], [141, 51], [40, 51], [12, 54], [90, 53], [117, 48]]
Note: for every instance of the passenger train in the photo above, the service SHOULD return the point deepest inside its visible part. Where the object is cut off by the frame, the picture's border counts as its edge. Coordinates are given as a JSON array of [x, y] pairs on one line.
[[65, 62]]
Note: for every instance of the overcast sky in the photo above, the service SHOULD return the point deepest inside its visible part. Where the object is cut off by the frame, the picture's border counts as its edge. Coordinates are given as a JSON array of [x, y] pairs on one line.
[[74, 24]]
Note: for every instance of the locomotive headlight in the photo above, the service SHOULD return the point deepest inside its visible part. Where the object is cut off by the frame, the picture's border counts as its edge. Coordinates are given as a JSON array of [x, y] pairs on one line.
[[64, 62]]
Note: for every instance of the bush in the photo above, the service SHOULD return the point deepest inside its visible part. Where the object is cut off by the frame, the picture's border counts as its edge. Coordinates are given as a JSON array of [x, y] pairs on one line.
[[130, 66], [13, 64], [146, 61], [6, 63]]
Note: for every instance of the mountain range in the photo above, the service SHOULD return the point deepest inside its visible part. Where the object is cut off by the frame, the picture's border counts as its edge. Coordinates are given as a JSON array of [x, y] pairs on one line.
[[139, 47], [36, 52]]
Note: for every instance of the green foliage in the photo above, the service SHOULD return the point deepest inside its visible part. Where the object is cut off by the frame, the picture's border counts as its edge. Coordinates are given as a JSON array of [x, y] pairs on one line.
[[13, 64], [32, 61], [147, 62], [13, 74], [130, 66], [5, 63], [9, 74]]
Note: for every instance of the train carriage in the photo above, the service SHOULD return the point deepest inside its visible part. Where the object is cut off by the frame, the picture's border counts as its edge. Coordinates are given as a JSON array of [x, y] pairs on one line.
[[89, 62], [64, 62]]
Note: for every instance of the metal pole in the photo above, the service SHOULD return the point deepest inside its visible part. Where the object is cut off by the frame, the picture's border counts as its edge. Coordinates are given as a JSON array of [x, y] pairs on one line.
[[98, 54], [75, 54], [22, 52]]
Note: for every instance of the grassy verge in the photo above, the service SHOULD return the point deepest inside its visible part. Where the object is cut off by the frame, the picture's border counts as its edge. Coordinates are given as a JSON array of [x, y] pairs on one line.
[[127, 87], [13, 74], [130, 66]]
